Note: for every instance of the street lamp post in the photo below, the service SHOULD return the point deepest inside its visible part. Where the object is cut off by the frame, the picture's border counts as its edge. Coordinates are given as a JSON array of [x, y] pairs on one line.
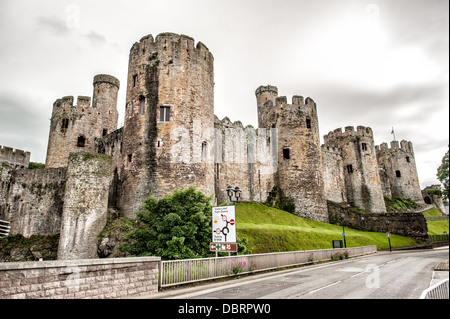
[[388, 234], [236, 192], [343, 229]]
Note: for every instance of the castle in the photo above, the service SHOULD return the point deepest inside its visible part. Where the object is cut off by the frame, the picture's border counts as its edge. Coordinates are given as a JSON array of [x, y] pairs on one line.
[[171, 139]]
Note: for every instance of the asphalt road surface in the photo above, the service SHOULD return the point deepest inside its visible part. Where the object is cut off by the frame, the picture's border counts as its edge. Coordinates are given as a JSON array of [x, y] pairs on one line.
[[385, 275]]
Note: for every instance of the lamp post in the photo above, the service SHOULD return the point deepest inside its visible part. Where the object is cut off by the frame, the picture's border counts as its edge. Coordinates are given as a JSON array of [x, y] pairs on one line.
[[388, 234], [236, 192], [343, 229]]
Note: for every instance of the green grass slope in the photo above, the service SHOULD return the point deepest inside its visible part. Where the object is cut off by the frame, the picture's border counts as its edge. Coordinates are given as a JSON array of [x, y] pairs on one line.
[[437, 227], [269, 229]]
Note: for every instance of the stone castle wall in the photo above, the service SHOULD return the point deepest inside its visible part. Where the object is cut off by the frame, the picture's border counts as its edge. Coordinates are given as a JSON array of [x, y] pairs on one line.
[[32, 199], [243, 158], [14, 158], [172, 140], [85, 205]]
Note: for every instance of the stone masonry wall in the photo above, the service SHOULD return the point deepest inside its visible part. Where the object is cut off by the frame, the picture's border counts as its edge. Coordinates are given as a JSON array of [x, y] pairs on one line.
[[411, 225], [85, 205], [168, 135], [80, 279], [32, 199], [14, 158], [243, 158], [399, 167]]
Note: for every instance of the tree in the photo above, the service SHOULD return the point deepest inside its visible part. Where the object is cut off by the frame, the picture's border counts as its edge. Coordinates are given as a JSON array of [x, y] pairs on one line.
[[442, 175], [177, 226]]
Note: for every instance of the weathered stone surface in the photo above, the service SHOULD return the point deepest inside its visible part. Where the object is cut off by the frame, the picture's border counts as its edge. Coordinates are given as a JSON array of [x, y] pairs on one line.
[[398, 165], [73, 128], [85, 205], [80, 279]]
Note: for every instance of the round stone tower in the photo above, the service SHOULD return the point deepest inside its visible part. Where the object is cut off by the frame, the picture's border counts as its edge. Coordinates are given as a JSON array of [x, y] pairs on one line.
[[300, 172], [73, 128], [265, 99], [361, 172], [168, 136], [398, 165], [104, 99]]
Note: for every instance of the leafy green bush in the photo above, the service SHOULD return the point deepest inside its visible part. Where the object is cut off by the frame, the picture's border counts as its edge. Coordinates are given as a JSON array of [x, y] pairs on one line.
[[177, 226]]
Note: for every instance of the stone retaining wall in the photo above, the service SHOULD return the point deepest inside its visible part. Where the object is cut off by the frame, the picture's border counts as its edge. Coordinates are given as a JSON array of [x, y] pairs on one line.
[[80, 279]]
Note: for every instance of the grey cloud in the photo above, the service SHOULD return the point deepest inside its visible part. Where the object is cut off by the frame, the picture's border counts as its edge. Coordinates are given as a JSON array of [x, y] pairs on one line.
[[53, 25]]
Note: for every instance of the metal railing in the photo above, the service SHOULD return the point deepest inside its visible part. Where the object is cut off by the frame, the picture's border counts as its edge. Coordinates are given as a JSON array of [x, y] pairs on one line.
[[437, 291], [177, 272], [435, 218], [4, 228], [438, 238]]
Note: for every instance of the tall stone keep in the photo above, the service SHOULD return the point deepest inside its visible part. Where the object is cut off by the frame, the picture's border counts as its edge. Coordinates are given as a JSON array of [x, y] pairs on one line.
[[398, 170], [73, 128], [168, 136], [361, 172], [300, 171], [85, 205]]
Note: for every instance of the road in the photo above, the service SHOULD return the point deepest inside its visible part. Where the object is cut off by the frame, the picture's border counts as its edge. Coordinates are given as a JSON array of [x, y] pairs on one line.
[[385, 275]]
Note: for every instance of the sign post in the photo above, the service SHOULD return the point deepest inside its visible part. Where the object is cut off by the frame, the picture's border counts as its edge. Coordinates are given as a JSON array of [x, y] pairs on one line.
[[224, 229]]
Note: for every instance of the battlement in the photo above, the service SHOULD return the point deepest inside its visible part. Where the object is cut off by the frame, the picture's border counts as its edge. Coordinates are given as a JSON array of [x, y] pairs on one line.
[[15, 157], [268, 88], [67, 101], [405, 146], [164, 40], [105, 78], [331, 149], [349, 132]]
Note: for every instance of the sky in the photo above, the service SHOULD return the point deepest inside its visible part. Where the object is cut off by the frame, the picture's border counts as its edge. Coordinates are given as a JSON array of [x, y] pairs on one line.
[[377, 63]]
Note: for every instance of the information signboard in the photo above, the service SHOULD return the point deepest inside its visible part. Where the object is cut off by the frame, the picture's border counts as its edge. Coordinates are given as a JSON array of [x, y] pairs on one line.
[[230, 247], [224, 224]]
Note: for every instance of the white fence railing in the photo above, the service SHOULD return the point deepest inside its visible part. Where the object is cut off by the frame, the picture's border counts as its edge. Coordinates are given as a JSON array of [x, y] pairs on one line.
[[4, 228], [437, 291], [176, 272]]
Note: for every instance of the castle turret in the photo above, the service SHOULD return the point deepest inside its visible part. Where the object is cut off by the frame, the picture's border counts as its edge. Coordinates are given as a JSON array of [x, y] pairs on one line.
[[398, 166], [73, 128], [265, 99], [104, 98], [361, 173], [168, 136], [300, 172]]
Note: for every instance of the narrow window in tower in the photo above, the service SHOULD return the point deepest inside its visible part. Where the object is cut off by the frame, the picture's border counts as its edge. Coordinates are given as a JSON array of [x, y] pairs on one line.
[[398, 174], [64, 125], [164, 113], [105, 132], [204, 150], [135, 80], [308, 123], [141, 105], [407, 159], [350, 169], [130, 161], [364, 146], [81, 142], [286, 153]]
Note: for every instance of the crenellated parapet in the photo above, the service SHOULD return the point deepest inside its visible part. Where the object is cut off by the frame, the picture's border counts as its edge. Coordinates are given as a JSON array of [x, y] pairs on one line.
[[14, 157], [337, 136], [404, 146]]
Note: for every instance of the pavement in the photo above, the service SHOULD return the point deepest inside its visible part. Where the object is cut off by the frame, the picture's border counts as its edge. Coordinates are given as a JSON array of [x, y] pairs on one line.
[[439, 273]]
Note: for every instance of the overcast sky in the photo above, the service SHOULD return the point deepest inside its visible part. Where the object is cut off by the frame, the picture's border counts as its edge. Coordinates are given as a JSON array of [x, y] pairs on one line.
[[376, 63]]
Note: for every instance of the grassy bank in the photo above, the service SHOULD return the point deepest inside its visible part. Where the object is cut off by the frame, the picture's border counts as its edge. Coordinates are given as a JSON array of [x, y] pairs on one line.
[[437, 227], [268, 229]]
